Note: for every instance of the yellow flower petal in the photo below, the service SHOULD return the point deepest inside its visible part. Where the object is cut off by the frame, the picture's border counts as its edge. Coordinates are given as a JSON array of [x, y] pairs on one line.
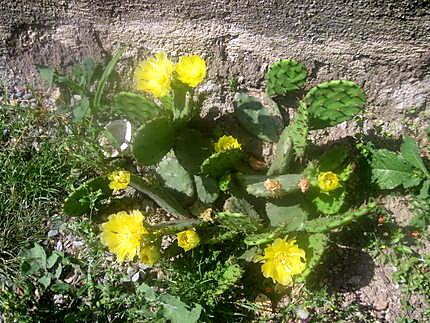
[[119, 180], [123, 234], [154, 75], [188, 239], [226, 143], [282, 260], [191, 70], [328, 181]]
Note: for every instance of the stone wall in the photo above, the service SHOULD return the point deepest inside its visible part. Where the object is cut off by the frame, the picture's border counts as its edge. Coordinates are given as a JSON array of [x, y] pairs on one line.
[[383, 45]]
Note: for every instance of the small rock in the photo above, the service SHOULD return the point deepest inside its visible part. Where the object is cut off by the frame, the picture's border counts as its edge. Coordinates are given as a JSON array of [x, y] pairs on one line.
[[52, 233]]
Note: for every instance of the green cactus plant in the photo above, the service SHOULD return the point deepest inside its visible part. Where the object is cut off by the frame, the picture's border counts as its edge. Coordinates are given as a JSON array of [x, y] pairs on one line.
[[162, 197], [270, 187], [293, 216], [153, 140], [293, 139], [239, 205], [135, 107], [333, 102], [256, 118], [217, 164], [285, 76], [207, 189], [191, 149], [175, 176]]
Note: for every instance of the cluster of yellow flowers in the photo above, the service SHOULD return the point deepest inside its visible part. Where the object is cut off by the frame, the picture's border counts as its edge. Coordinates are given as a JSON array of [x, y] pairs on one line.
[[127, 235], [155, 74]]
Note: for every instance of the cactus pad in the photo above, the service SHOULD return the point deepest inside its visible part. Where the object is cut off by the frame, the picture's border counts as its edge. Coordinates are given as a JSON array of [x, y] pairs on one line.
[[285, 76], [175, 176], [153, 140], [217, 164], [270, 187], [207, 189], [256, 118], [333, 102], [191, 149]]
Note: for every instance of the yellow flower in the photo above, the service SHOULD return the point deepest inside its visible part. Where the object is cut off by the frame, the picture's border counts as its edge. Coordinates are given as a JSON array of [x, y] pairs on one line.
[[123, 234], [191, 70], [282, 259], [328, 181], [226, 143], [154, 75], [149, 255], [188, 239], [119, 180]]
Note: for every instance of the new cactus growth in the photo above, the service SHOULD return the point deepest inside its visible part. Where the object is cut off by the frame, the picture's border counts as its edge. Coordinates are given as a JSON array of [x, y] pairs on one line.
[[333, 102], [217, 164], [285, 76]]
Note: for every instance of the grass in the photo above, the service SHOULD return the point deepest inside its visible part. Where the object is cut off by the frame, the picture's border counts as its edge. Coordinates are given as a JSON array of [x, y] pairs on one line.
[[35, 175]]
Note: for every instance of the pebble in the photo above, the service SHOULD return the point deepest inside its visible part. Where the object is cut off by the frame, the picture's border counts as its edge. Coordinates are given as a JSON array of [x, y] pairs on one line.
[[52, 233]]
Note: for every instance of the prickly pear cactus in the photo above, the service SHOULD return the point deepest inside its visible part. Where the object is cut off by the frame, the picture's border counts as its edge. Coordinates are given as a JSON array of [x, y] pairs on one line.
[[292, 139], [333, 102], [256, 118], [153, 140], [175, 176], [285, 76], [217, 164], [270, 187]]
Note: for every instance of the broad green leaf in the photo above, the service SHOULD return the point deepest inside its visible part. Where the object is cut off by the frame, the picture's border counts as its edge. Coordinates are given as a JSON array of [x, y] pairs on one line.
[[411, 153], [292, 216], [256, 119], [148, 291], [45, 280], [153, 140], [52, 259], [34, 260], [390, 170], [177, 312], [82, 199]]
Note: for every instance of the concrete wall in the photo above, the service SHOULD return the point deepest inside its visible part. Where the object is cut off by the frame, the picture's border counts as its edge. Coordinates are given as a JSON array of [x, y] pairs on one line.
[[383, 45]]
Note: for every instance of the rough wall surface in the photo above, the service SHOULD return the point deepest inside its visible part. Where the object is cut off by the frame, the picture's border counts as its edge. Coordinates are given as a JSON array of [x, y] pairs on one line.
[[383, 45]]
